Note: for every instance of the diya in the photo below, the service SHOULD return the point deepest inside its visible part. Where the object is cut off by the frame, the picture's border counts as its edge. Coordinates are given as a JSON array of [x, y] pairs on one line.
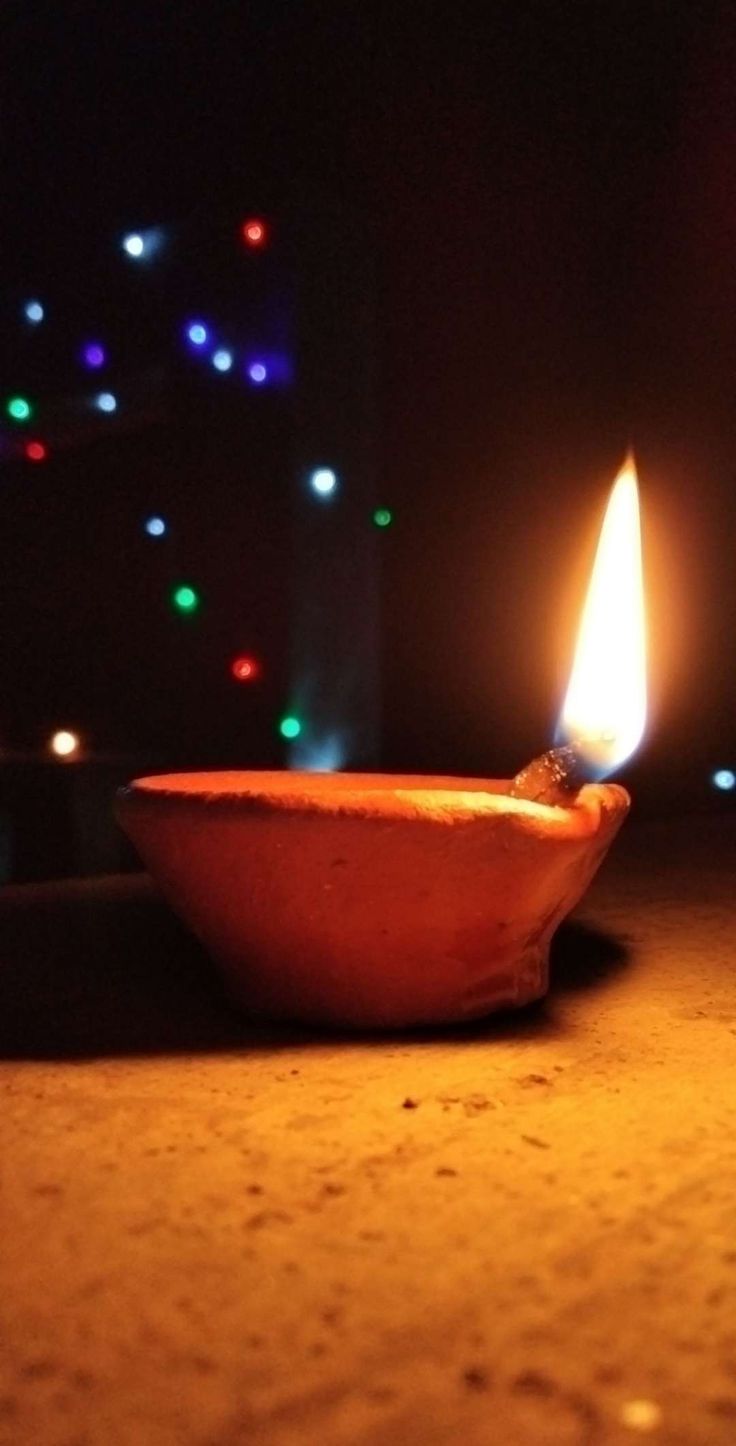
[[380, 901]]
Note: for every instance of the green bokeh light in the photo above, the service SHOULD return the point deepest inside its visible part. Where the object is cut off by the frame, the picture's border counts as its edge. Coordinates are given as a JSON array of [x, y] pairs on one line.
[[290, 727], [185, 599], [382, 517], [19, 409]]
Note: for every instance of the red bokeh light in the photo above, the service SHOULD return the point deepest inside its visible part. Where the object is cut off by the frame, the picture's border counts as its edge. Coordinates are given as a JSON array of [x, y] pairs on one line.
[[245, 669], [36, 452], [254, 231]]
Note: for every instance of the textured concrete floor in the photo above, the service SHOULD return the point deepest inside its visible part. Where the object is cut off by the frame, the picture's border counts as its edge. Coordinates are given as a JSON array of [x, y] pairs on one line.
[[521, 1233]]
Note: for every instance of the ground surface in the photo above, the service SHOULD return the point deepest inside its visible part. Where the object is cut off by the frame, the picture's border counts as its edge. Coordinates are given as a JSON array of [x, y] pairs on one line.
[[521, 1233]]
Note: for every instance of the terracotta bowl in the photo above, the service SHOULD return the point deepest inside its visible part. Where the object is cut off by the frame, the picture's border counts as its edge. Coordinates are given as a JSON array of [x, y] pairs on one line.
[[369, 899]]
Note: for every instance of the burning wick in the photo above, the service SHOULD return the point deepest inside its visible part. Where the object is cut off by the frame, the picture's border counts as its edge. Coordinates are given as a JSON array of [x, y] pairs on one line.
[[554, 778], [604, 711]]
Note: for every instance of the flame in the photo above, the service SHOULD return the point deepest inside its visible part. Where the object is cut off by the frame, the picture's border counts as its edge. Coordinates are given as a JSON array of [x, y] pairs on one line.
[[606, 703]]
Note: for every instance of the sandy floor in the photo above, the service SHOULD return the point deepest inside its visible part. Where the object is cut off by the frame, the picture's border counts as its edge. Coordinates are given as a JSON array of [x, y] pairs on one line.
[[523, 1233]]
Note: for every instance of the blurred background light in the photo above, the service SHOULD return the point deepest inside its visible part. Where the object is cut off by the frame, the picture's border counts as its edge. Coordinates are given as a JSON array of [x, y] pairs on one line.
[[254, 232], [93, 355], [245, 669], [323, 481], [33, 311], [133, 244], [36, 452], [382, 517], [185, 598], [290, 727], [197, 333], [106, 402], [724, 779], [19, 408], [64, 743], [257, 373], [155, 526], [222, 359]]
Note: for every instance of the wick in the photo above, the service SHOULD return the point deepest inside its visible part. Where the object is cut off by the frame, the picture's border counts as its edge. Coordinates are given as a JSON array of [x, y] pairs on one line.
[[554, 779]]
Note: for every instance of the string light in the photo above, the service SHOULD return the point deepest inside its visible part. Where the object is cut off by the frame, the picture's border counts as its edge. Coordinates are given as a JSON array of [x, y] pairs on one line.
[[93, 355], [323, 481], [222, 359], [33, 312], [197, 333], [257, 373], [106, 402], [382, 517], [724, 779], [134, 245], [19, 408], [185, 599], [36, 452], [155, 526], [64, 743], [245, 669], [254, 232], [290, 727]]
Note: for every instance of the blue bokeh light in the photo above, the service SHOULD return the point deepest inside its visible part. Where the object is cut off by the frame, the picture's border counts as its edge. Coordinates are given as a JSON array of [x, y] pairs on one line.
[[724, 779], [33, 311], [222, 359], [197, 333], [155, 526], [134, 245], [106, 402], [257, 373], [323, 481], [94, 355]]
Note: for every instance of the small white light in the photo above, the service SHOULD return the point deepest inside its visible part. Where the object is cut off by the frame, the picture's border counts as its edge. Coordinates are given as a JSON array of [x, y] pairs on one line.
[[106, 402], [222, 359], [64, 743], [724, 779], [323, 481], [134, 244], [155, 526], [33, 311]]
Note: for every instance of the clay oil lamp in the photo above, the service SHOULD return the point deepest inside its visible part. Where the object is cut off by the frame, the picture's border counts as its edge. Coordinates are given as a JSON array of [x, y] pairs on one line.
[[379, 901]]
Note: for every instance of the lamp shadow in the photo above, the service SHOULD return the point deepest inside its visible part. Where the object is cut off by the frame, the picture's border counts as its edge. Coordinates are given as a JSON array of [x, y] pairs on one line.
[[101, 967]]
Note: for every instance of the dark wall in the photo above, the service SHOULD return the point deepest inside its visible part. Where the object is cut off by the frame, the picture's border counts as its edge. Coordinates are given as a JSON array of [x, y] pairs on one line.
[[547, 200]]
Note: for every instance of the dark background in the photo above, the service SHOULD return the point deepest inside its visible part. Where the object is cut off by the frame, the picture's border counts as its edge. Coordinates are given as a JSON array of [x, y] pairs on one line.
[[503, 251]]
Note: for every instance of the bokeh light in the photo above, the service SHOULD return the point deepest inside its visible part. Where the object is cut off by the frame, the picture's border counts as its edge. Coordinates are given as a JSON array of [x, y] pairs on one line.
[[19, 408], [257, 373], [93, 355], [197, 333], [64, 743], [245, 669], [290, 727], [33, 312], [106, 402], [36, 452], [323, 481], [185, 598], [155, 526], [222, 359], [724, 779], [134, 245], [382, 517], [254, 232]]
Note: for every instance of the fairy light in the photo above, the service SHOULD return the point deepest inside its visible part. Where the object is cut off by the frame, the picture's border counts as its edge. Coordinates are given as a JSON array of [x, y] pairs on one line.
[[290, 727], [245, 669], [64, 743], [254, 232], [19, 409]]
